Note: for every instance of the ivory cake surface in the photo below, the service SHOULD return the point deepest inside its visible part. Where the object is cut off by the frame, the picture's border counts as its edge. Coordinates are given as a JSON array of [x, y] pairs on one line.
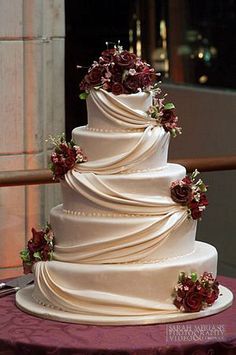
[[121, 240]]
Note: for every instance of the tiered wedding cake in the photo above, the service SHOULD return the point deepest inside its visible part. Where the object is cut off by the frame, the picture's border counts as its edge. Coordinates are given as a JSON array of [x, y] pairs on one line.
[[121, 238]]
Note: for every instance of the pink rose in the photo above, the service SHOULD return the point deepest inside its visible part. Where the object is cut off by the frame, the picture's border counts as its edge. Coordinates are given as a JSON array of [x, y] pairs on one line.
[[117, 89], [181, 194]]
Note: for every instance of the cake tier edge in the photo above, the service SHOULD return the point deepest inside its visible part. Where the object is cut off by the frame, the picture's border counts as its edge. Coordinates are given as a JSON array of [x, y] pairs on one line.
[[123, 290]]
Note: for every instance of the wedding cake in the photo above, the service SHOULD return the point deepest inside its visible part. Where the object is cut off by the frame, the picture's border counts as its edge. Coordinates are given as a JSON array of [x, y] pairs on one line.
[[124, 249]]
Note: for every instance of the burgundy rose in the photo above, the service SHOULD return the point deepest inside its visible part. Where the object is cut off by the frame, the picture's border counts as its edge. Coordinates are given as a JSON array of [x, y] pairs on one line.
[[93, 78], [187, 180], [125, 59], [193, 301], [181, 194], [168, 117], [84, 86], [55, 158], [70, 162], [131, 84], [63, 148], [107, 56], [117, 89], [196, 213], [147, 79], [203, 200], [38, 237], [45, 252], [72, 153], [27, 267], [117, 77], [59, 171], [211, 297]]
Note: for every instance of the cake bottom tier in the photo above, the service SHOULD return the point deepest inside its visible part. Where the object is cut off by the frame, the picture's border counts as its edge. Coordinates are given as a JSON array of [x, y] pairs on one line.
[[120, 290]]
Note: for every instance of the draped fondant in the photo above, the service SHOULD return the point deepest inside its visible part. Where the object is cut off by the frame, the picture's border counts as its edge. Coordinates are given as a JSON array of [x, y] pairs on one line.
[[120, 239]]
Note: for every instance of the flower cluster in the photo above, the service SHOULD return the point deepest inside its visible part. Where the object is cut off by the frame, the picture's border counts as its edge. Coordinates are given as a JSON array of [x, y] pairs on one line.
[[39, 248], [191, 194], [65, 156], [165, 115], [192, 294], [120, 72]]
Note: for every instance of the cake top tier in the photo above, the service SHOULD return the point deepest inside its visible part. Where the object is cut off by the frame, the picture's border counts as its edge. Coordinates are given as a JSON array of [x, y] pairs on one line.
[[123, 94], [107, 111]]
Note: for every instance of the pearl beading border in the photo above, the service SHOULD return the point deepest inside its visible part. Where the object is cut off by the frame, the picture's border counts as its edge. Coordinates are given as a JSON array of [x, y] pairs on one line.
[[159, 261], [98, 214], [102, 130]]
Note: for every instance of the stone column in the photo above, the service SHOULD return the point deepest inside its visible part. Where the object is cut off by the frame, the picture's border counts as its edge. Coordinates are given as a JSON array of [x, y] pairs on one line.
[[32, 107]]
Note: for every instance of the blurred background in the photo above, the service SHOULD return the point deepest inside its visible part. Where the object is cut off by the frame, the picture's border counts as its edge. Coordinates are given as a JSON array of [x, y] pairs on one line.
[[190, 42]]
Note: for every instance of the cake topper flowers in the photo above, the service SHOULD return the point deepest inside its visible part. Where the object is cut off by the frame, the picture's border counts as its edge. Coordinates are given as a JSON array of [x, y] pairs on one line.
[[190, 193], [65, 156], [120, 72], [39, 248], [192, 294]]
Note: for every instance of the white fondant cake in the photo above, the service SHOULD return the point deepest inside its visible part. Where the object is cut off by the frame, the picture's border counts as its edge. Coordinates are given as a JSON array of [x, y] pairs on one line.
[[121, 240]]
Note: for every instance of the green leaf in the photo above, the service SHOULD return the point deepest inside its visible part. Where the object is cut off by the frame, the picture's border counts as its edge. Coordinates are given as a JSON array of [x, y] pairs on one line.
[[37, 255], [194, 276], [24, 254], [83, 95], [169, 106], [181, 276]]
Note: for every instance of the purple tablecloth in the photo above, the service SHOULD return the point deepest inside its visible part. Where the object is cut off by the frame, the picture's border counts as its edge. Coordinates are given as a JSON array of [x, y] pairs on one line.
[[22, 334]]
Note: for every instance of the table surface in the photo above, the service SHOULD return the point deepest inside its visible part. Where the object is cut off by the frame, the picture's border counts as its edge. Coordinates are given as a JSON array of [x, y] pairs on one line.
[[21, 333]]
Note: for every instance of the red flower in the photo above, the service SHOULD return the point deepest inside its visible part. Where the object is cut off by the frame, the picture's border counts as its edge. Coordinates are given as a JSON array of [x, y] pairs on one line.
[[45, 252], [190, 194], [211, 297], [27, 267], [84, 85], [94, 77], [147, 79], [107, 56], [131, 84], [37, 242], [168, 119], [203, 200], [181, 193], [70, 162], [192, 294], [125, 59], [196, 213], [193, 301], [117, 89]]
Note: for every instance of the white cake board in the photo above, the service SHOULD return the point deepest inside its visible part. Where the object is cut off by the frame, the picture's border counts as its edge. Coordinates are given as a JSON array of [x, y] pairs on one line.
[[27, 304]]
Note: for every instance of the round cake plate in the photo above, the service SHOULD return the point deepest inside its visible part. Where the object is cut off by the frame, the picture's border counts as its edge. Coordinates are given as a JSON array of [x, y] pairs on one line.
[[26, 303]]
